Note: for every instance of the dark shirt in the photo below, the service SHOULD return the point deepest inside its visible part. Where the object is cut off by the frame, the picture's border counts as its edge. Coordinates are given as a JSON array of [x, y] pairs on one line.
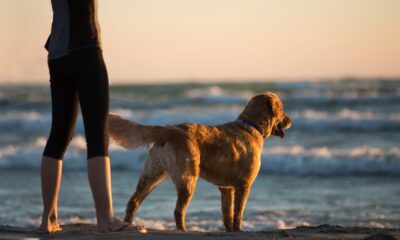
[[75, 27]]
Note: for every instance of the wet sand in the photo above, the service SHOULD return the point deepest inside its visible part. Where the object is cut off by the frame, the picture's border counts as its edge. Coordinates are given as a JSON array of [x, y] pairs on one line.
[[88, 231]]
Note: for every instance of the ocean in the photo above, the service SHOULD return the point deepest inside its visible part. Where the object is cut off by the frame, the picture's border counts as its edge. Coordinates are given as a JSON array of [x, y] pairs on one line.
[[339, 163]]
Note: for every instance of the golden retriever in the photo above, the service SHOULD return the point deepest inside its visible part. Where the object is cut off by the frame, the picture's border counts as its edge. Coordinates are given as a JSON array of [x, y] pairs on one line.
[[226, 155]]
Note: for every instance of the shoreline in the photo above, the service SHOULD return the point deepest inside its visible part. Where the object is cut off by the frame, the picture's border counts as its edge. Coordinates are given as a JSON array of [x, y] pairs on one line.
[[88, 231]]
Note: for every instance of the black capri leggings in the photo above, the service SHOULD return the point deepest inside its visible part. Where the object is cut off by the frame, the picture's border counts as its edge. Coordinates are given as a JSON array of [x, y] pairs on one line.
[[79, 77]]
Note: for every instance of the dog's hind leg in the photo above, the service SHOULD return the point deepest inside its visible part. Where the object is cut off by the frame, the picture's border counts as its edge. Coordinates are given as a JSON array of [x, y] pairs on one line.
[[146, 184], [227, 197], [185, 186], [152, 175]]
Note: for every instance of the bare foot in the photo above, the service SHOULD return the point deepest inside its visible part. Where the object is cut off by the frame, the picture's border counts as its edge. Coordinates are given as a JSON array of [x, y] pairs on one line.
[[120, 226], [49, 227]]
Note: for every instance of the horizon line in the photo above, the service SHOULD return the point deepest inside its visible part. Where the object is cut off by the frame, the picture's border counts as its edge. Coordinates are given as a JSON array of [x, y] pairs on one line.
[[171, 81]]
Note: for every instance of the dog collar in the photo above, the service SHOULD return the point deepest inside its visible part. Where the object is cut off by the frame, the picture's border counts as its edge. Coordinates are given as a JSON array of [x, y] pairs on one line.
[[251, 123]]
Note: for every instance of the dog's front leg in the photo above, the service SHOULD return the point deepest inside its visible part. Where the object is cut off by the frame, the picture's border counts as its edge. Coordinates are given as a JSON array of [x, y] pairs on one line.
[[227, 196], [241, 194]]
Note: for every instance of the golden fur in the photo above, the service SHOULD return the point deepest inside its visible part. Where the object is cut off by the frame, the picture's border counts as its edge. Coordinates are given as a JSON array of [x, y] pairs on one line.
[[226, 155]]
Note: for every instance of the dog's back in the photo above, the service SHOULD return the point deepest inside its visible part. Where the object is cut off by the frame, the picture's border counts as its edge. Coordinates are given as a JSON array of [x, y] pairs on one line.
[[223, 152]]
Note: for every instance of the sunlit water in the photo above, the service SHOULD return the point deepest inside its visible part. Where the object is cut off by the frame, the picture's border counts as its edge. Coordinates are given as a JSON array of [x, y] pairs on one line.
[[339, 164]]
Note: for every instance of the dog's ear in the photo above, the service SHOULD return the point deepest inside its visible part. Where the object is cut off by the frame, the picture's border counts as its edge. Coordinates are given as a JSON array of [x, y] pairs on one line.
[[263, 106], [253, 109], [274, 105]]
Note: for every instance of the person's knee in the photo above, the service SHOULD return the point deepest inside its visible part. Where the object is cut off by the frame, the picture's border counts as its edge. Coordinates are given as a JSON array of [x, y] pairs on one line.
[[57, 144], [97, 145]]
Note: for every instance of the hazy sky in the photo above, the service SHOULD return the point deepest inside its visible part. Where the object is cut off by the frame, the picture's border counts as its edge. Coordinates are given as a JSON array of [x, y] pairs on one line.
[[164, 40]]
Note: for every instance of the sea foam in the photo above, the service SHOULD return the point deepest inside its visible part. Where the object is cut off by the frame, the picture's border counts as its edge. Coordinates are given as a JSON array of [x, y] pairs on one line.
[[295, 159]]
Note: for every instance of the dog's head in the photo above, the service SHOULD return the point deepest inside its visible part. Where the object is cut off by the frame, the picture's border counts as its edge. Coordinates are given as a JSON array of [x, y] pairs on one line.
[[266, 112]]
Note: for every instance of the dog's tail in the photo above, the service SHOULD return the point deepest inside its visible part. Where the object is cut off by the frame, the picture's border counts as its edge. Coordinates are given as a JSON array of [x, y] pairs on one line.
[[132, 135]]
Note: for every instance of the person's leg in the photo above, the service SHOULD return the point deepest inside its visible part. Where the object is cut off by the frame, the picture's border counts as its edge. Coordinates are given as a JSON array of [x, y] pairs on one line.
[[51, 169], [64, 113], [92, 80], [99, 174]]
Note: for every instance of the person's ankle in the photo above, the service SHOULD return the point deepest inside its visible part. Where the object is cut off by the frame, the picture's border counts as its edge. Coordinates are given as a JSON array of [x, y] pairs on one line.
[[50, 224], [49, 218]]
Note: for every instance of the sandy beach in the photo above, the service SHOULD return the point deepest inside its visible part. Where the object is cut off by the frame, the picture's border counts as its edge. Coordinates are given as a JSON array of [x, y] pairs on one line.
[[88, 231]]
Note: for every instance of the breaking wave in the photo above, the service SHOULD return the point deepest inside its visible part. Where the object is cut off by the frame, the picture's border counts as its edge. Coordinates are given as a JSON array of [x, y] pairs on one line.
[[279, 159]]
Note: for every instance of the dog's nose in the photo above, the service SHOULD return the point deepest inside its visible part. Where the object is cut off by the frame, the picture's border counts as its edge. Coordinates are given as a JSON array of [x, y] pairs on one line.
[[287, 121]]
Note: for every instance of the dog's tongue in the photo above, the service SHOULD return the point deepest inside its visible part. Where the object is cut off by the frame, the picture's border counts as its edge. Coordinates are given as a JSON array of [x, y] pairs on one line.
[[281, 132]]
